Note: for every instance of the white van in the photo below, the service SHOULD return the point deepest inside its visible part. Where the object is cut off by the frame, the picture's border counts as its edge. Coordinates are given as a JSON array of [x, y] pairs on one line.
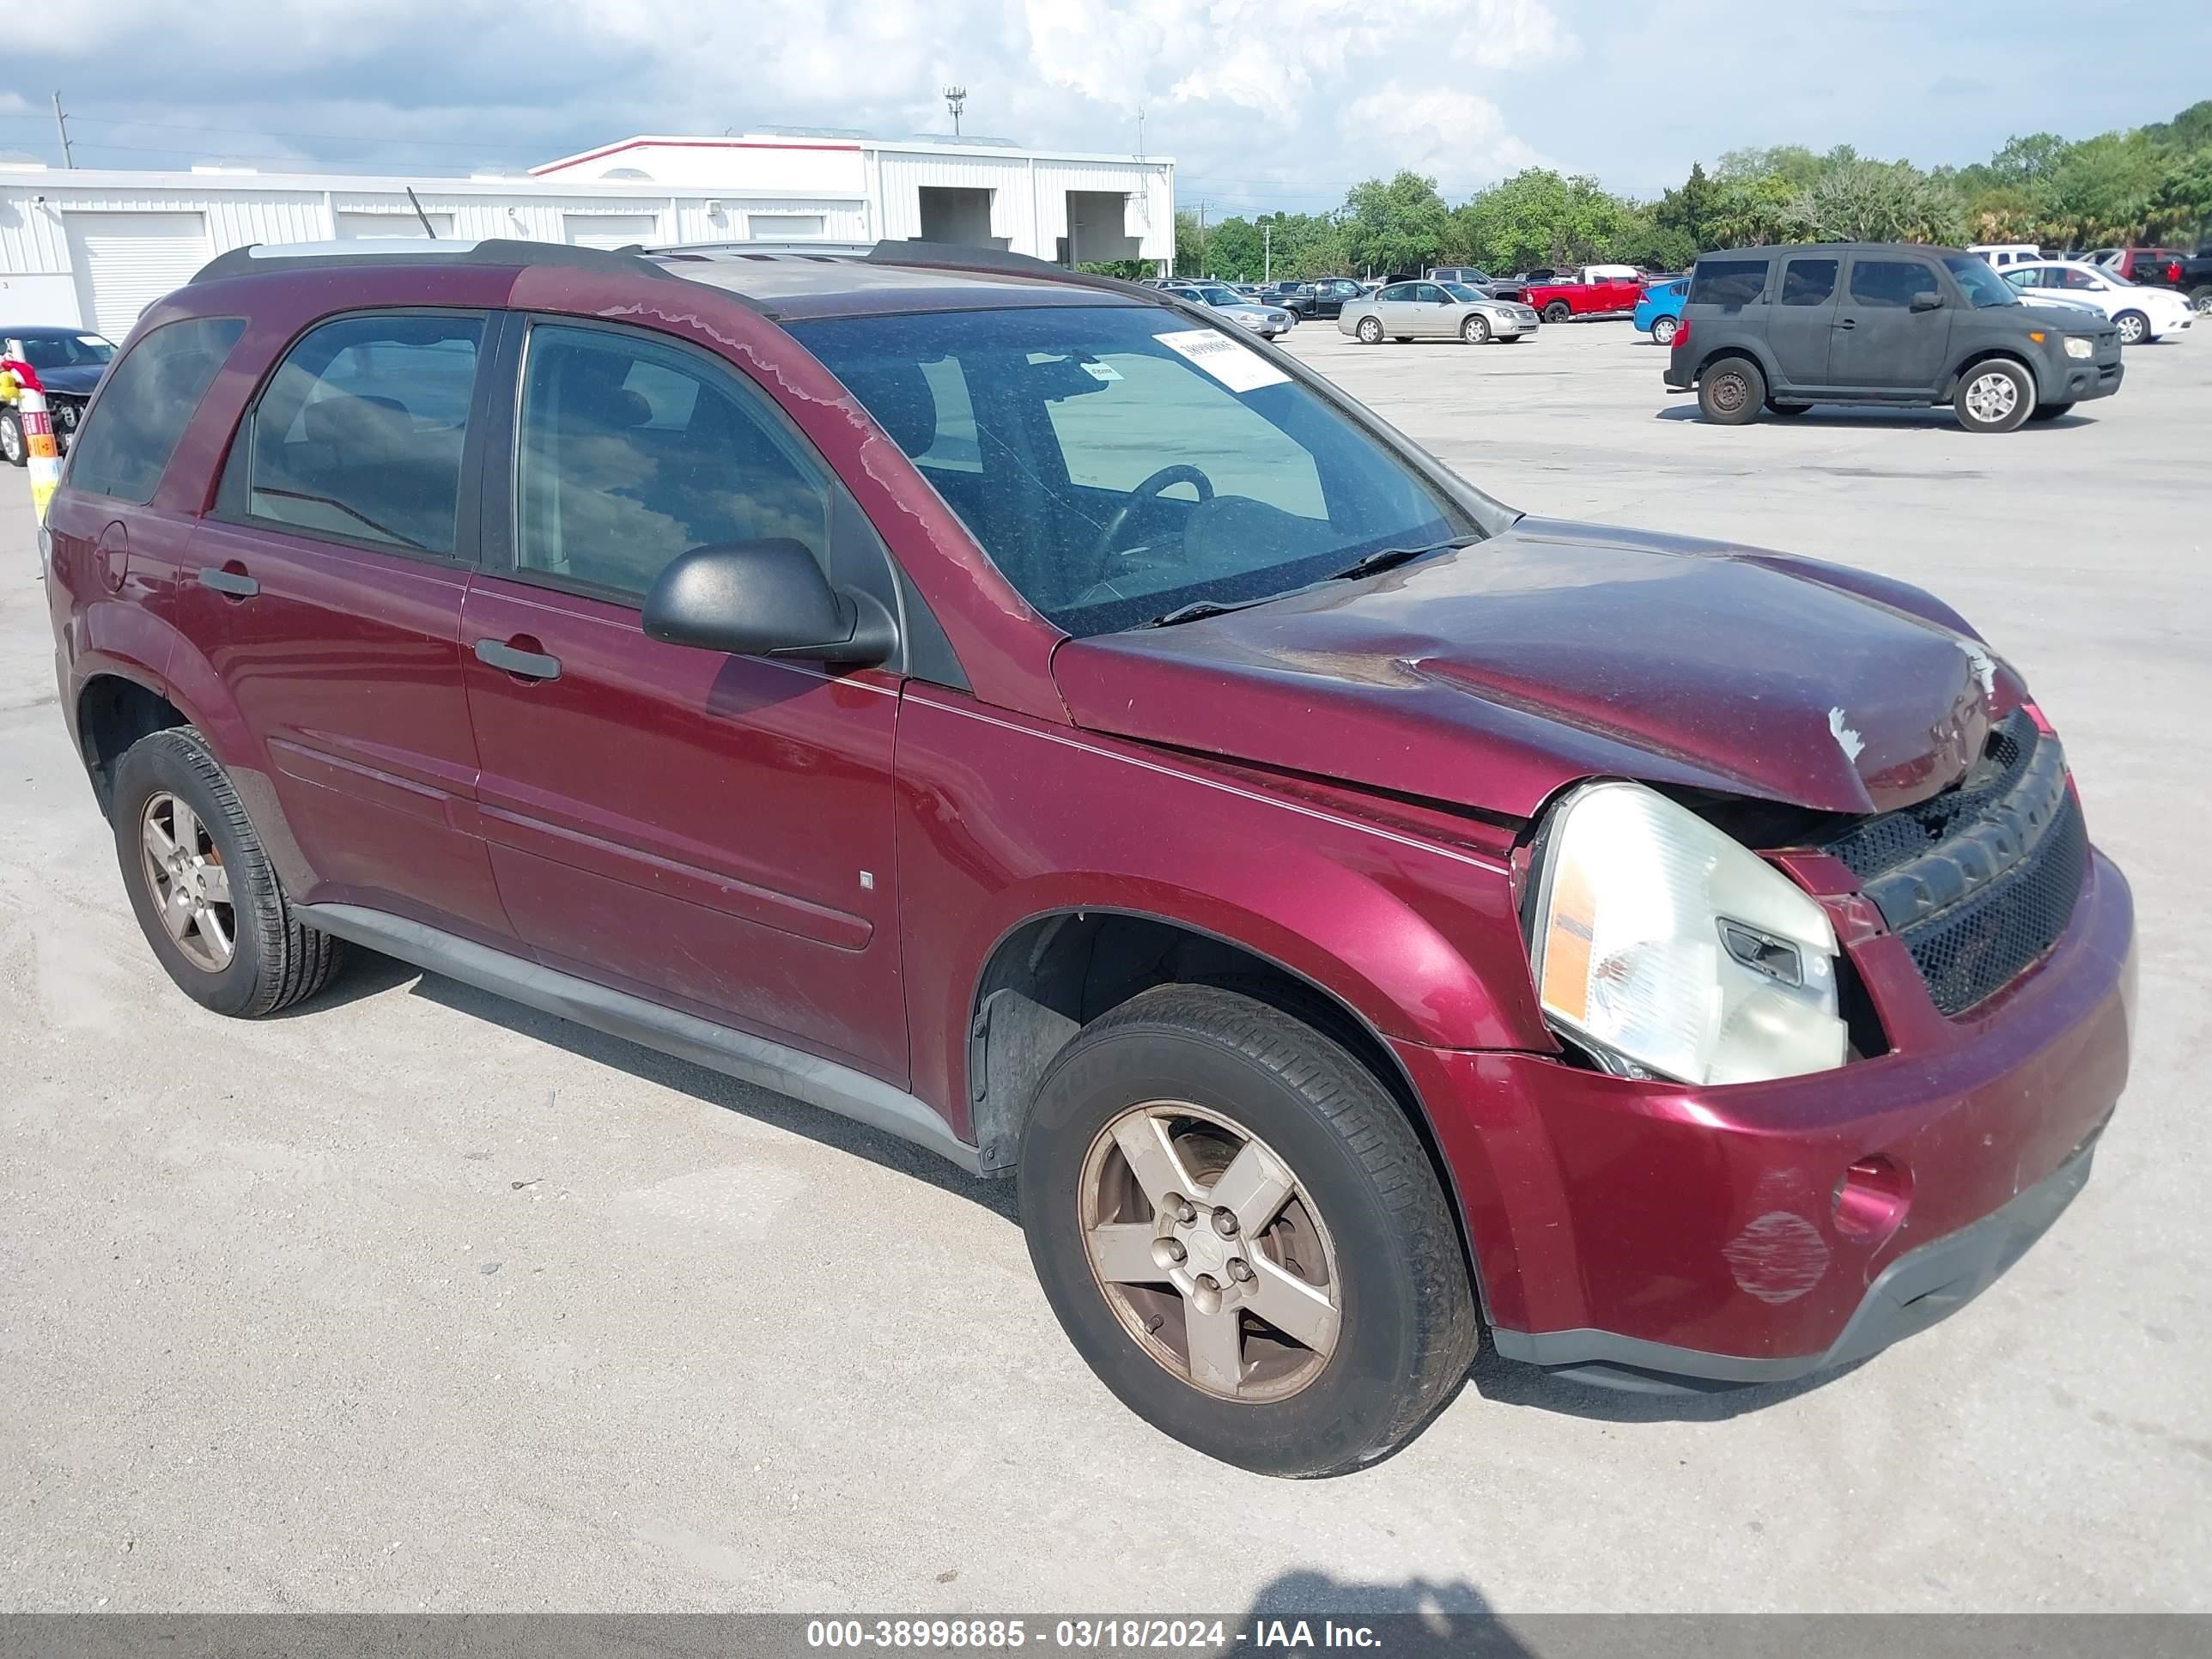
[[2002, 254]]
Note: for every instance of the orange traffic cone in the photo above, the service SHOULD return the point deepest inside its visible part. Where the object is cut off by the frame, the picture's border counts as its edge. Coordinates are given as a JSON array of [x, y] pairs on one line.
[[46, 456]]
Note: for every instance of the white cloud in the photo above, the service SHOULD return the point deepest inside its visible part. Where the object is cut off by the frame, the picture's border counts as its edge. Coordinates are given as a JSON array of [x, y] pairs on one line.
[[1458, 138]]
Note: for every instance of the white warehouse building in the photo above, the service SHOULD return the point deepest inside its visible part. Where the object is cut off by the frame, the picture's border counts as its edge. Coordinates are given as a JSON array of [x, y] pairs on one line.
[[91, 249]]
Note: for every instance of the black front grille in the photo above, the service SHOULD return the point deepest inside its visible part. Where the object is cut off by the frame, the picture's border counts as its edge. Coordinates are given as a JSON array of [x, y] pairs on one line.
[[1981, 880]]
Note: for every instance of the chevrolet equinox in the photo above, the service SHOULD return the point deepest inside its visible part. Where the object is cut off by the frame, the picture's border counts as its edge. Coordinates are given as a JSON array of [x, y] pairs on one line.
[[1012, 709]]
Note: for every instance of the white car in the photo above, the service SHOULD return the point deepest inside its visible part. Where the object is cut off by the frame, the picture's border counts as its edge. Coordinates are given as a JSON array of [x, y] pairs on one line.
[[2005, 254], [2139, 312]]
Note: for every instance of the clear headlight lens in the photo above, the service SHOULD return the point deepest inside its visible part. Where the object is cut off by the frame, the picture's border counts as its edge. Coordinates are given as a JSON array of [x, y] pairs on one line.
[[1660, 941], [2076, 346]]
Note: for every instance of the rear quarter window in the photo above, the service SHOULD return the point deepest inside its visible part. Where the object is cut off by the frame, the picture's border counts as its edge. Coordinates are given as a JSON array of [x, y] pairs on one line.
[[144, 405], [1729, 283]]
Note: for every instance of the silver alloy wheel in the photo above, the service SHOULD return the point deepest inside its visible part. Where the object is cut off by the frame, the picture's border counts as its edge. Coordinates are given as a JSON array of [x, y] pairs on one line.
[[1992, 398], [1662, 331], [185, 874], [2201, 302], [1475, 330], [1370, 332], [1209, 1251], [2132, 328], [11, 441]]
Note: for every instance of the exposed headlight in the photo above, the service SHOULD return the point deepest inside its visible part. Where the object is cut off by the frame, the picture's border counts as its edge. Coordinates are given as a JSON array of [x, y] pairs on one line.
[[1661, 942], [2079, 345]]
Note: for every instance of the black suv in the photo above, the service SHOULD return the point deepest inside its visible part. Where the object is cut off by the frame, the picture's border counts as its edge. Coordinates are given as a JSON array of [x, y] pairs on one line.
[[1784, 328], [1325, 297]]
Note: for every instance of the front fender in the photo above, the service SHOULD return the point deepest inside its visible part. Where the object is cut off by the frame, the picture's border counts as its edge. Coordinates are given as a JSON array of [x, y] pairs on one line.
[[1000, 821]]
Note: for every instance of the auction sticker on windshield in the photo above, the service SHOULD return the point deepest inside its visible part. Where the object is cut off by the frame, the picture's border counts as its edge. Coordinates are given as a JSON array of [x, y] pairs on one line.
[[1229, 360]]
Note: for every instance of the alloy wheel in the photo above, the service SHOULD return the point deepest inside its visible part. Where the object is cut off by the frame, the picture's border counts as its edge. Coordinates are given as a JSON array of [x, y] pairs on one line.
[[2131, 329], [185, 872], [1370, 332], [11, 443], [1209, 1251], [1992, 398]]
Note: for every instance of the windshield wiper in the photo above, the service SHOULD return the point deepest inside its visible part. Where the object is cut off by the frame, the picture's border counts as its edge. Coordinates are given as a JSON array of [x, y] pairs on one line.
[[1385, 558], [1198, 608]]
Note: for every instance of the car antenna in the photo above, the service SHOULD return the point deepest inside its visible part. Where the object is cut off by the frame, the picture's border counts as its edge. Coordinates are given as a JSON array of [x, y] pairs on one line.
[[428, 230]]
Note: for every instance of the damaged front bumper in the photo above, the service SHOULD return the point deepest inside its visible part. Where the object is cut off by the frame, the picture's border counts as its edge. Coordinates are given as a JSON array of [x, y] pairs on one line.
[[1652, 1235]]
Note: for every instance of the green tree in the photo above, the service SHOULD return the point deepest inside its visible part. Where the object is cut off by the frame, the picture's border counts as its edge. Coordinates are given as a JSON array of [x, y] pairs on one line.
[[1399, 225], [1540, 217], [1857, 201], [1795, 165], [2104, 188]]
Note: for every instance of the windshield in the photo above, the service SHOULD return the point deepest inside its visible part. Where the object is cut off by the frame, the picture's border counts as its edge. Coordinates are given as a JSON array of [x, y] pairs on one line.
[[1117, 465], [1462, 291], [1984, 286], [66, 351], [1214, 294]]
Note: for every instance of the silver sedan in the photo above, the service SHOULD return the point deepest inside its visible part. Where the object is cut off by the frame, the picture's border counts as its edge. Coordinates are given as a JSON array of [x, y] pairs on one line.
[[1435, 311], [1220, 298]]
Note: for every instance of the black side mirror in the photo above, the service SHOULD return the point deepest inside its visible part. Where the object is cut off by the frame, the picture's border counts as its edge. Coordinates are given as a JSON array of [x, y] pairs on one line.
[[1927, 299], [765, 598]]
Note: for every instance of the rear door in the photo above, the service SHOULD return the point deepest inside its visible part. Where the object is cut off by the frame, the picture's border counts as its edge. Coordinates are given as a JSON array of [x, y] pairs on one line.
[[326, 589], [1802, 317], [1881, 343], [1394, 307], [710, 831]]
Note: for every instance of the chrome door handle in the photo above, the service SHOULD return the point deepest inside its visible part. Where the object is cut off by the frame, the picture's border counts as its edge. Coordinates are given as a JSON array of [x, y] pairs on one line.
[[235, 583], [525, 665]]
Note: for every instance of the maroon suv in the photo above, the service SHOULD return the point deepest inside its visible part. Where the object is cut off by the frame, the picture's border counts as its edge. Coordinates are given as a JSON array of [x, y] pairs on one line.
[[1011, 709]]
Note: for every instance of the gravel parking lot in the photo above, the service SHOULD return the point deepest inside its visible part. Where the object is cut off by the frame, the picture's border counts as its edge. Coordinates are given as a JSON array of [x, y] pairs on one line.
[[417, 1300]]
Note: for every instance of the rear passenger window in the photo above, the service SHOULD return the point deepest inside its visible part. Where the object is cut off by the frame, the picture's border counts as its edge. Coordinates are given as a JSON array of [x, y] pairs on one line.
[[1728, 281], [144, 405], [359, 433], [1808, 281], [1890, 284], [632, 453]]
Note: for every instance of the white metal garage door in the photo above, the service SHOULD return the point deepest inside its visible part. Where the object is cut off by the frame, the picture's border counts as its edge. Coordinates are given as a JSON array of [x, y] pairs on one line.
[[125, 261], [609, 230], [404, 223]]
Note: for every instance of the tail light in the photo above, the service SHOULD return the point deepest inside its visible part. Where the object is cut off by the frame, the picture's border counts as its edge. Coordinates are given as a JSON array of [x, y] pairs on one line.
[[1681, 332]]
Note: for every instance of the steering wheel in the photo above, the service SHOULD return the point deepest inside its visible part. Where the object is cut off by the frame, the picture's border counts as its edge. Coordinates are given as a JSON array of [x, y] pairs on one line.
[[1165, 478]]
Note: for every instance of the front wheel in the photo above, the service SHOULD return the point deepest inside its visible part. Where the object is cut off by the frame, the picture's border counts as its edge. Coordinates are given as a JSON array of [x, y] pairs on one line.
[[2134, 326], [1241, 1235], [1993, 397], [1370, 332], [1475, 332], [13, 449], [2201, 302], [1662, 331], [1730, 390]]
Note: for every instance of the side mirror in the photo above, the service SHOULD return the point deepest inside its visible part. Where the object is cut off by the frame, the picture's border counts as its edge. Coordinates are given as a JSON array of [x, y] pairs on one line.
[[1927, 299], [765, 598]]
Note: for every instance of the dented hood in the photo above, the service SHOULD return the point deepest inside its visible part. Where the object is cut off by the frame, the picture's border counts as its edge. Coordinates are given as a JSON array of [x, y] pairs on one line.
[[1490, 677]]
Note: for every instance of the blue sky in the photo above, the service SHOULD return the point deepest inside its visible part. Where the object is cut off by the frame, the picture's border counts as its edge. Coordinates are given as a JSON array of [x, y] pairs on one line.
[[1264, 103]]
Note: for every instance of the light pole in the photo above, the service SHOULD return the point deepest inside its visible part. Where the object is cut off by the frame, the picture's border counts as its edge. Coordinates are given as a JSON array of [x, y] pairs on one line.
[[1267, 253], [956, 100]]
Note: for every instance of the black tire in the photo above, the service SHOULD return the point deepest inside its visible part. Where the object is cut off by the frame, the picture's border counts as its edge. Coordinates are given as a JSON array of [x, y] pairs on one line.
[[2000, 412], [14, 449], [1558, 312], [1731, 391], [1408, 1328], [1786, 410], [2199, 301], [1475, 330], [2049, 412], [1663, 329], [274, 961], [1369, 331], [2134, 326]]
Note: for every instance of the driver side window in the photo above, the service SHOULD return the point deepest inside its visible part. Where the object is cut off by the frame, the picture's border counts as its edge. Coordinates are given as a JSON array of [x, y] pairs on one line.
[[1154, 413]]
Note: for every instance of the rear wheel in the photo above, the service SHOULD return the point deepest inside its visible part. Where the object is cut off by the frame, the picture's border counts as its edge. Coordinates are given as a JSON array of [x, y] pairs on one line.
[[1370, 332], [1242, 1236], [204, 894], [13, 449], [1993, 397], [1475, 330], [1558, 312], [2134, 326], [1662, 330], [1730, 390]]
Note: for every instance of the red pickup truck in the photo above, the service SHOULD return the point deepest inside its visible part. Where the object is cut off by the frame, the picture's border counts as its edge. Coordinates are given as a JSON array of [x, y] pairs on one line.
[[1592, 291]]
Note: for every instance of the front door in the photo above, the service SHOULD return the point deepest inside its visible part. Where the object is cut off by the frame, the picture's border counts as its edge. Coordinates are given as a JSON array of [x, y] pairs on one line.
[[1880, 343], [326, 591], [1802, 319], [1434, 313], [711, 832]]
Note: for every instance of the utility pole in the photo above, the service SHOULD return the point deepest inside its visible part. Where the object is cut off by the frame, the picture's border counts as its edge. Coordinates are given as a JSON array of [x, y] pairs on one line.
[[1140, 133], [956, 100], [1267, 253], [61, 125], [1201, 238]]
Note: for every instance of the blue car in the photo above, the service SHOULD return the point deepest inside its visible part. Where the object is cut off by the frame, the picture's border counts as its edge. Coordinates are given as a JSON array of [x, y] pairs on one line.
[[1659, 312]]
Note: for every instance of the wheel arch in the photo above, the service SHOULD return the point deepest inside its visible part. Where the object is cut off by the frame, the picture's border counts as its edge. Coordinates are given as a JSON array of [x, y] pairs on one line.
[[1051, 973], [1753, 350], [1993, 354]]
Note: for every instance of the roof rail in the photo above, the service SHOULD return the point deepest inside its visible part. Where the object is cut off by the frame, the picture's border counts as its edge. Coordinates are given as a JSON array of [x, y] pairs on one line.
[[952, 256], [493, 251], [767, 249]]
